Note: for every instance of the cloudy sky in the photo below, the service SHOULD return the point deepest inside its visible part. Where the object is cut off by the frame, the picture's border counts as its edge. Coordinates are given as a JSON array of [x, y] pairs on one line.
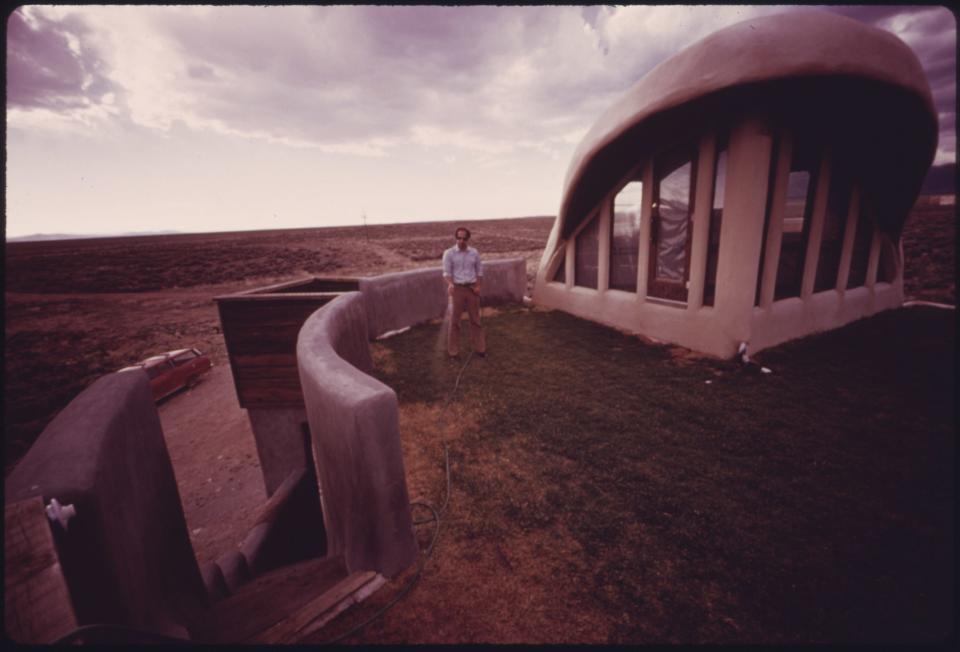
[[123, 119]]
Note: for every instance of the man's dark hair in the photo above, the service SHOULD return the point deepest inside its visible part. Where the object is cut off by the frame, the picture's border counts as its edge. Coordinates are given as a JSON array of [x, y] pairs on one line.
[[464, 229]]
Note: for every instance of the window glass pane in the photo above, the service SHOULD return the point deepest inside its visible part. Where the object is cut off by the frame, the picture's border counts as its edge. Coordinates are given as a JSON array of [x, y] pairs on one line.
[[716, 219], [625, 237], [887, 270], [560, 275], [861, 246], [831, 243], [587, 255], [156, 370], [673, 214], [184, 358], [795, 218], [768, 215]]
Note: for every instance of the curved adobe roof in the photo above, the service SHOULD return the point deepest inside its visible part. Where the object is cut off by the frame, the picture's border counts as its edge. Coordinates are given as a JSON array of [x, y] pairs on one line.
[[786, 50]]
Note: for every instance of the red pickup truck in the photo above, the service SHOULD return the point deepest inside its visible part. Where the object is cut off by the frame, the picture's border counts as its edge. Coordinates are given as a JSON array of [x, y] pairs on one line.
[[174, 370]]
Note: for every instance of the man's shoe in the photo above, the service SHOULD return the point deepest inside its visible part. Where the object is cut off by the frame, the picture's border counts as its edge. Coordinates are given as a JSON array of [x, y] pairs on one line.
[[453, 357], [482, 354]]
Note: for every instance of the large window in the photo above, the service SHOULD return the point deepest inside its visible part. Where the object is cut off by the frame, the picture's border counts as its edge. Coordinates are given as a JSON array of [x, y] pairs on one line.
[[625, 237], [716, 219], [796, 221], [560, 276], [834, 222], [887, 269], [861, 245], [587, 255], [670, 242], [184, 358]]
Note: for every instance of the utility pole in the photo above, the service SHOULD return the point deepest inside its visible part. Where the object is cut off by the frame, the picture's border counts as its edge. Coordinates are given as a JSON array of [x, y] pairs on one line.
[[365, 234]]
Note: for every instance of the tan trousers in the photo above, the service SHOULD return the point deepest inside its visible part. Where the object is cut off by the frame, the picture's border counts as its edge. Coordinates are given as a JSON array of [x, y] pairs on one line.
[[465, 299]]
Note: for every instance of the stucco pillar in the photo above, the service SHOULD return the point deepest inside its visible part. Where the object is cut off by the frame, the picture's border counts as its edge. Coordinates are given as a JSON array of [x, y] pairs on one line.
[[777, 206], [741, 234], [646, 214]]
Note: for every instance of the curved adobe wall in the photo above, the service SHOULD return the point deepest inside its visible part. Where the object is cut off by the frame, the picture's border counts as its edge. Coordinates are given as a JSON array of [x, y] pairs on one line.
[[354, 423], [126, 555], [395, 301]]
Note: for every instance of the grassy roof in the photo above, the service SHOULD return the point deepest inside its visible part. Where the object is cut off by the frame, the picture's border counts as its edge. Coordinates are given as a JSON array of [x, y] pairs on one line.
[[605, 489]]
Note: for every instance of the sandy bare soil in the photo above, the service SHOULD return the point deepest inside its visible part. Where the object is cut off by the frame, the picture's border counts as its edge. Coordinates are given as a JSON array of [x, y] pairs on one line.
[[214, 457]]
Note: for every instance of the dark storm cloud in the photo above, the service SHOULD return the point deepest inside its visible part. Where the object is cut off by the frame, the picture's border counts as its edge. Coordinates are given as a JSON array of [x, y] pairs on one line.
[[43, 70], [931, 32], [336, 75]]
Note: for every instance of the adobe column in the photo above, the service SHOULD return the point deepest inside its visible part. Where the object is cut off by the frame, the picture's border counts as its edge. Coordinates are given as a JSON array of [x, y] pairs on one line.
[[741, 234]]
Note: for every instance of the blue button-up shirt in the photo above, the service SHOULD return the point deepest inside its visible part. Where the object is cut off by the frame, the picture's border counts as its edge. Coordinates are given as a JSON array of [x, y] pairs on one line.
[[462, 266]]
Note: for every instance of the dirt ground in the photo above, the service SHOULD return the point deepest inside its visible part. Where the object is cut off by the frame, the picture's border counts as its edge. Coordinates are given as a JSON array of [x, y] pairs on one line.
[[78, 309]]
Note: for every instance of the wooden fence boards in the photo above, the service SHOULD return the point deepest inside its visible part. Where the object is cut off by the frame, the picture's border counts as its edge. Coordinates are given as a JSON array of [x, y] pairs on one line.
[[260, 328]]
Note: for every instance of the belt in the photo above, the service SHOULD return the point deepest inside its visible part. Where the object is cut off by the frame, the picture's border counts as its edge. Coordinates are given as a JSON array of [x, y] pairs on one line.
[[465, 285]]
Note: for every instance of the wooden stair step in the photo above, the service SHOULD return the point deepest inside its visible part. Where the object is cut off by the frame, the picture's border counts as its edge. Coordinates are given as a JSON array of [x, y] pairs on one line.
[[269, 599], [314, 615]]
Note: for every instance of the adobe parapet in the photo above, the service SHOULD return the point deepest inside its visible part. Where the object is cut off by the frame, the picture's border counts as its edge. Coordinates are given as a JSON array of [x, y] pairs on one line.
[[355, 428], [395, 301], [125, 554], [354, 418]]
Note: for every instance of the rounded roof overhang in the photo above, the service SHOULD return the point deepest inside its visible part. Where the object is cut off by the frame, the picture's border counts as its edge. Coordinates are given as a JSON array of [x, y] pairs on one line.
[[864, 84]]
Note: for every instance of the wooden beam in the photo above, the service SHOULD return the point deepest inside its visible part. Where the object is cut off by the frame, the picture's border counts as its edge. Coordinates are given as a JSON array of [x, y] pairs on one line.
[[37, 606]]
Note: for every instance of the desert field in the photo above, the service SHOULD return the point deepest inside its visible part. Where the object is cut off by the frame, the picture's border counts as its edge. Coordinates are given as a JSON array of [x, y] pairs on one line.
[[78, 309]]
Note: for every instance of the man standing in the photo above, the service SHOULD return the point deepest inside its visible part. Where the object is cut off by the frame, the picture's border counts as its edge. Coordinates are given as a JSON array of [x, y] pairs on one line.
[[463, 272]]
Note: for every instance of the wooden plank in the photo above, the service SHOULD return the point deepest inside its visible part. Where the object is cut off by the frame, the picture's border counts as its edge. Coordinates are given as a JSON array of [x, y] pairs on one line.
[[264, 386], [296, 283], [270, 598], [274, 404], [318, 612], [252, 322], [261, 347], [249, 311], [254, 375], [311, 284], [291, 297], [266, 360], [269, 396], [37, 606], [270, 330]]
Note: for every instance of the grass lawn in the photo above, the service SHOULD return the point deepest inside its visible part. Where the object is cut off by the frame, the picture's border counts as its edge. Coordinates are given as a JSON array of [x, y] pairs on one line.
[[605, 489]]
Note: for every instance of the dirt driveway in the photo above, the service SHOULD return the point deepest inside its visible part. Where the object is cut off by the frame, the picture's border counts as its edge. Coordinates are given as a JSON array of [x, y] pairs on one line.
[[215, 461]]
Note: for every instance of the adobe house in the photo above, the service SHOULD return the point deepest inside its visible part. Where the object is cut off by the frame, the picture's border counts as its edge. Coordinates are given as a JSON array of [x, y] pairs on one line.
[[751, 188]]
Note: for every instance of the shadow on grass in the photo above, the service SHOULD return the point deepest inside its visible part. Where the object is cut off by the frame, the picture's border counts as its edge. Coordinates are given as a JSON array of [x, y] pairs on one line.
[[712, 504]]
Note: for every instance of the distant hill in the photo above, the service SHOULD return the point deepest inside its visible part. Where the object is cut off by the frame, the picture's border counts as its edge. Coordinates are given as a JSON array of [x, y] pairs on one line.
[[35, 237], [941, 180]]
